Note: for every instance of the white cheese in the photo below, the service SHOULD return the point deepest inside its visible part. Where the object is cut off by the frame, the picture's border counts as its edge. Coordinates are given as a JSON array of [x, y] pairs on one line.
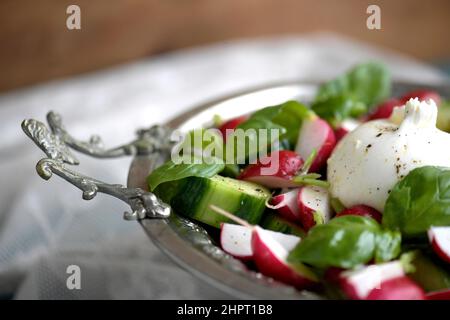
[[369, 161]]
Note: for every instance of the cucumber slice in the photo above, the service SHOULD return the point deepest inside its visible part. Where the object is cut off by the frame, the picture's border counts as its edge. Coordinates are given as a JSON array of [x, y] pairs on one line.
[[276, 223], [194, 195]]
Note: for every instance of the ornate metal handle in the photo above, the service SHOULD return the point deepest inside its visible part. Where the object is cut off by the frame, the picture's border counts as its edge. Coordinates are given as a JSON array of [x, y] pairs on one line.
[[56, 143], [155, 138]]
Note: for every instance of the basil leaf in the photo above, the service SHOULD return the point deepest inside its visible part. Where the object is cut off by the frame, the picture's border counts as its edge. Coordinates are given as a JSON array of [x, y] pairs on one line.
[[338, 108], [343, 242], [388, 245], [170, 171], [346, 242], [201, 155], [287, 117], [353, 93], [419, 201]]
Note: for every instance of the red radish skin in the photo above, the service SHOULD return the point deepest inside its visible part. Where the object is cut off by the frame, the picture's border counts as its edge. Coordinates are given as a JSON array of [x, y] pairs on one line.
[[422, 95], [286, 205], [286, 164], [340, 133], [227, 127], [317, 134], [361, 210], [384, 110], [401, 288], [346, 126], [313, 201], [440, 242], [439, 295], [358, 284], [236, 241], [270, 258]]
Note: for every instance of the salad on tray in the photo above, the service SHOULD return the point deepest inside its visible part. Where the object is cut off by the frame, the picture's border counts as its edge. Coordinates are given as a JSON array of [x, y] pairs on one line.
[[347, 195]]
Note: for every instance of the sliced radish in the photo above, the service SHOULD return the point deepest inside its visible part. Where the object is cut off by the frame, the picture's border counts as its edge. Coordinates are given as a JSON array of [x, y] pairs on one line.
[[228, 127], [422, 95], [440, 241], [275, 170], [401, 288], [314, 206], [358, 284], [439, 295], [286, 205], [384, 110], [270, 252], [346, 126], [361, 210], [236, 240], [316, 134], [270, 256]]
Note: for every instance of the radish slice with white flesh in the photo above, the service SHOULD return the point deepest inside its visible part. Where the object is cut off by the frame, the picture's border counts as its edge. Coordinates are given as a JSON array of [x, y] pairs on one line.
[[270, 256], [316, 134], [236, 240], [440, 241], [270, 252], [357, 284], [286, 205], [275, 170], [314, 206]]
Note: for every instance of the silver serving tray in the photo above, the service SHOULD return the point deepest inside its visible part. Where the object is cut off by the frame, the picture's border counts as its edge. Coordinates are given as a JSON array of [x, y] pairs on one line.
[[183, 240]]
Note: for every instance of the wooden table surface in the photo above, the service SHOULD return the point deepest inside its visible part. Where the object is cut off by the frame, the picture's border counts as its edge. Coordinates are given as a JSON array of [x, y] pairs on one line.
[[35, 44]]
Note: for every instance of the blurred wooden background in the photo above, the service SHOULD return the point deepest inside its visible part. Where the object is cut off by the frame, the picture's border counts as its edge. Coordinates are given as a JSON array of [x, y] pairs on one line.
[[35, 44]]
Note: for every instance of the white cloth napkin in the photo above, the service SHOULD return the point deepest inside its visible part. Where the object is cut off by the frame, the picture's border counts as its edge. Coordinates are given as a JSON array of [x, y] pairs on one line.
[[46, 226]]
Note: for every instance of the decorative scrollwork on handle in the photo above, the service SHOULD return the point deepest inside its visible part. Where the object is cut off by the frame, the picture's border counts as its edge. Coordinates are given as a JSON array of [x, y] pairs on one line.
[[52, 146], [153, 139], [56, 146]]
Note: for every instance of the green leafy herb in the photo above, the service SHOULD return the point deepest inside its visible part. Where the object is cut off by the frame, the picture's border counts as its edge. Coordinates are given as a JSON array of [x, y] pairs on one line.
[[311, 179], [337, 109], [217, 120], [287, 118], [201, 155], [346, 242], [337, 205], [406, 259], [353, 93], [318, 218], [170, 171], [419, 201], [309, 161], [387, 245]]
